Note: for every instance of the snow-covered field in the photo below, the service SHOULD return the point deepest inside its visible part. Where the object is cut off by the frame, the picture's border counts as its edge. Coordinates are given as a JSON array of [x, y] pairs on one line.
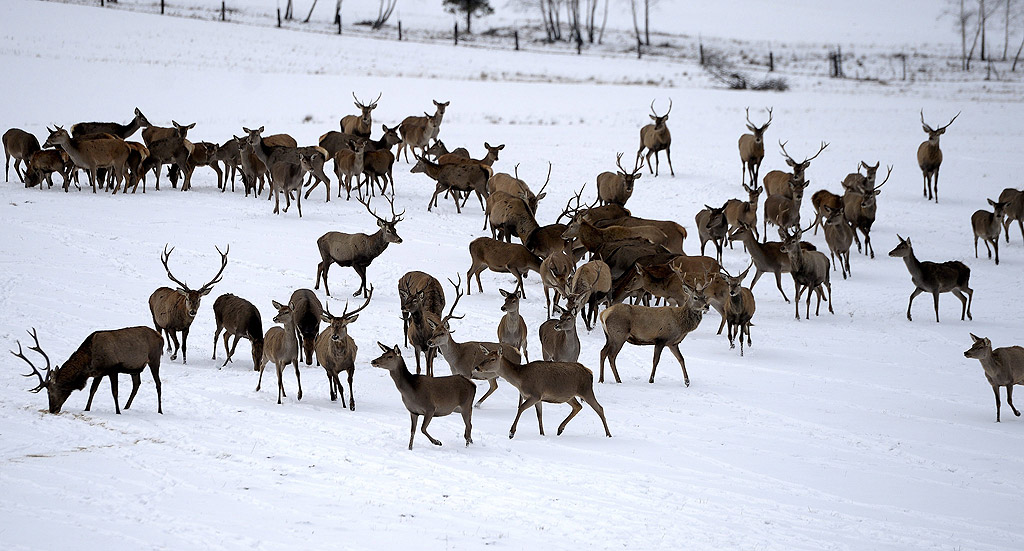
[[854, 431]]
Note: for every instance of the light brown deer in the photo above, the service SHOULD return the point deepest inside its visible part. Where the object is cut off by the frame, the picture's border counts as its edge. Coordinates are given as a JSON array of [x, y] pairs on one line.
[[102, 354], [820, 200], [1014, 210], [929, 157], [743, 212], [537, 382], [506, 258], [555, 271], [487, 160], [591, 284], [783, 211], [617, 187], [336, 351], [1003, 367], [810, 271], [839, 237], [861, 183], [935, 278], [752, 148], [21, 145], [558, 338], [593, 238], [43, 163], [360, 124], [92, 155], [860, 210], [429, 396], [986, 226], [281, 346], [174, 310], [418, 131], [655, 138], [349, 163], [512, 327], [357, 250], [739, 307], [776, 182], [239, 318]]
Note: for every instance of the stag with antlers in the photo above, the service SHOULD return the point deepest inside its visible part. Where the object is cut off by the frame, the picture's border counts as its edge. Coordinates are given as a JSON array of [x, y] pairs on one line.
[[336, 351], [752, 148], [360, 125], [174, 309], [656, 137], [929, 157], [357, 250], [776, 182]]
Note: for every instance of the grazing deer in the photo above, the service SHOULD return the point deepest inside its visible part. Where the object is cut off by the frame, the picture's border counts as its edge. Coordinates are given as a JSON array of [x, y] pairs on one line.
[[361, 124], [123, 131], [617, 187], [306, 313], [591, 284], [558, 338], [357, 250], [935, 278], [860, 209], [1014, 210], [429, 396], [174, 309], [987, 225], [784, 211], [555, 271], [547, 381], [739, 307], [506, 258], [43, 163], [336, 351], [102, 354], [929, 157], [839, 237], [1003, 367], [810, 271], [418, 131], [742, 212], [776, 182], [21, 145], [712, 225], [425, 286], [664, 326], [281, 346], [239, 318], [512, 327], [656, 137], [752, 148], [92, 155]]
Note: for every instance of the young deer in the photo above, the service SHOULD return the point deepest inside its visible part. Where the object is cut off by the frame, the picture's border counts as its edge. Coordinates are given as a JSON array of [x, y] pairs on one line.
[[360, 125], [558, 339], [418, 131], [357, 250], [512, 327], [281, 346], [537, 382], [655, 138], [416, 285], [739, 308], [810, 271], [429, 396], [336, 351], [947, 277], [102, 354], [591, 284], [929, 157], [752, 148], [174, 310], [506, 258], [349, 163], [617, 187], [555, 271], [839, 237], [986, 226], [1003, 367], [239, 318]]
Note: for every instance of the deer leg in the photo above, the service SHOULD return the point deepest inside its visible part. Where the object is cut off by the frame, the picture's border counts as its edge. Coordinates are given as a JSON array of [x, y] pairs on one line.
[[330, 385], [995, 245], [720, 325], [668, 155], [154, 369], [963, 302], [361, 270], [427, 417], [233, 346], [1006, 227], [136, 383], [976, 247], [657, 357], [796, 301], [92, 390], [493, 385], [174, 339], [576, 407], [113, 391], [610, 351], [1009, 399], [807, 307], [216, 334], [412, 431], [936, 185], [298, 379], [430, 354], [682, 363], [263, 366], [525, 405], [467, 420], [913, 295], [995, 390], [280, 382], [184, 345], [351, 395], [540, 416], [935, 295]]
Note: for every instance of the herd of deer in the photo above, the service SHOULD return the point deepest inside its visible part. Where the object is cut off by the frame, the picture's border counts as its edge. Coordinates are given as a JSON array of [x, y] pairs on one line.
[[629, 260]]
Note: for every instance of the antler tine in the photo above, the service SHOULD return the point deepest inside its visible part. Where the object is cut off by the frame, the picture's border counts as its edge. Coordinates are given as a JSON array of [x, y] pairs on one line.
[[638, 165], [164, 257], [546, 180], [822, 148], [35, 371], [37, 348], [568, 210], [928, 128], [751, 123], [516, 171], [394, 217], [886, 177], [951, 120], [669, 107], [374, 104], [652, 108], [782, 145], [223, 264], [358, 103], [366, 203], [458, 296], [618, 161], [769, 116], [366, 303]]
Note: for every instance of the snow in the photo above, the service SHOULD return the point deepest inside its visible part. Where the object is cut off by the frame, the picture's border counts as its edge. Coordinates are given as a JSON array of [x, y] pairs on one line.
[[858, 430]]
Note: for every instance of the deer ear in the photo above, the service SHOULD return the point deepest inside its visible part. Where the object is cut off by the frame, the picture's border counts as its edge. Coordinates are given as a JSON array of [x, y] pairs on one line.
[[261, 130], [182, 292], [277, 304], [205, 292], [975, 337], [991, 202], [324, 317], [353, 318], [503, 292], [383, 347], [396, 350], [751, 128], [653, 118], [431, 324], [519, 293], [500, 147]]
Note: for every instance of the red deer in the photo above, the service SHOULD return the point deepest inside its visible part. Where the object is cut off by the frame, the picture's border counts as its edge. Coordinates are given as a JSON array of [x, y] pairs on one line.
[[512, 327], [859, 209], [935, 278], [418, 131], [20, 145], [44, 163], [1014, 210], [752, 148], [507, 258], [336, 351], [414, 283], [239, 318], [776, 182], [360, 124], [839, 237], [810, 271], [357, 250], [655, 138], [1003, 367], [123, 131], [281, 346], [743, 212], [306, 313], [558, 338], [174, 309], [92, 155], [929, 157], [712, 225], [986, 226], [617, 187]]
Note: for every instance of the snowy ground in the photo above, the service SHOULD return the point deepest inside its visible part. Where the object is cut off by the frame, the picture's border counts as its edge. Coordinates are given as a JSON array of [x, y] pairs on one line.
[[854, 431]]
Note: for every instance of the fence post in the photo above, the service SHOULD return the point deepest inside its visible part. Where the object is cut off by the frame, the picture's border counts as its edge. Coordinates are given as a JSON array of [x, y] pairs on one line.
[[639, 51], [399, 30], [278, 17], [700, 49], [223, 10], [161, 7], [456, 34], [771, 61], [516, 35]]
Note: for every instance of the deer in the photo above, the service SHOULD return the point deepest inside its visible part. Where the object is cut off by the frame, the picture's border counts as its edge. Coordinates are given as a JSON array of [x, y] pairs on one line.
[[137, 155], [593, 238], [174, 310], [839, 237], [487, 160], [416, 283], [986, 226], [752, 148], [230, 154], [655, 138], [538, 382], [281, 346], [558, 338], [739, 307], [617, 187], [776, 182], [745, 212], [253, 169], [1014, 210], [335, 141], [511, 209], [21, 145], [855, 181], [663, 326], [101, 354], [439, 149], [240, 319], [783, 211], [555, 271], [810, 271], [859, 209], [463, 177], [1003, 367], [824, 198], [173, 149], [92, 155], [123, 131], [336, 351], [712, 225], [418, 131], [348, 163], [591, 283], [428, 396], [307, 312], [512, 327], [507, 258], [43, 163], [357, 250], [929, 157], [462, 357], [935, 278], [360, 124], [420, 310], [203, 154], [287, 166]]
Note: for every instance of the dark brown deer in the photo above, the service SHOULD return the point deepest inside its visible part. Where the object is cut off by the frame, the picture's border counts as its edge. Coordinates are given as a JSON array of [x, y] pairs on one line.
[[42, 164], [784, 211], [739, 307], [461, 177], [306, 313], [986, 226], [591, 284], [935, 278], [839, 237], [379, 163], [929, 157], [239, 318], [102, 354], [123, 131], [336, 351], [360, 124], [439, 149], [512, 327], [20, 145], [752, 148], [281, 346], [1014, 210], [555, 271], [617, 187], [429, 396], [173, 150], [1003, 367], [855, 181], [416, 283], [174, 309], [655, 138], [506, 258], [357, 250]]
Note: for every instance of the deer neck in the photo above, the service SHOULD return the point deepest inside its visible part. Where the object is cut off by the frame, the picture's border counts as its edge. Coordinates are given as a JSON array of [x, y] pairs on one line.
[[131, 128], [403, 378], [913, 264], [75, 371], [754, 246], [262, 152], [509, 371], [451, 350]]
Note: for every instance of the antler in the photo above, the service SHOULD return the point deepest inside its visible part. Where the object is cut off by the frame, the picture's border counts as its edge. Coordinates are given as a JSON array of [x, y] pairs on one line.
[[925, 125], [950, 121], [569, 210], [886, 178], [347, 314], [458, 295], [546, 180], [164, 257], [769, 117], [618, 163], [43, 378], [782, 144], [374, 104], [220, 274], [822, 148], [359, 104]]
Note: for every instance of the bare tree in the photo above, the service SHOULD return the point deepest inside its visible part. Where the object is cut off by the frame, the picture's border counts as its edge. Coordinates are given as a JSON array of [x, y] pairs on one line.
[[384, 10]]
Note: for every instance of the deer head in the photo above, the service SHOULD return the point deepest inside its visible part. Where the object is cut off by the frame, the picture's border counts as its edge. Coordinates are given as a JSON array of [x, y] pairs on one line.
[[492, 151], [735, 283], [659, 120], [511, 299], [338, 325], [934, 133], [629, 176], [903, 250], [192, 297], [182, 129], [50, 380], [253, 137], [365, 118], [390, 234], [58, 136], [391, 359], [981, 348], [758, 131], [441, 106], [284, 312], [141, 119], [753, 193]]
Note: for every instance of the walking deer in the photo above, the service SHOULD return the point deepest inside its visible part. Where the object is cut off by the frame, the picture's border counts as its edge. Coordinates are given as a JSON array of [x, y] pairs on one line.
[[92, 155], [239, 318], [507, 258], [1003, 367], [174, 310], [336, 351], [739, 307], [429, 396], [357, 250], [512, 327], [361, 124], [860, 208], [21, 145], [752, 148], [929, 157], [655, 138], [281, 346], [935, 278], [102, 354], [810, 271], [617, 187], [712, 225], [986, 226], [839, 237]]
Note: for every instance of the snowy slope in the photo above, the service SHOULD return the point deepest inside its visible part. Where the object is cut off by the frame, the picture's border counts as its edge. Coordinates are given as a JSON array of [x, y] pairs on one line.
[[854, 431]]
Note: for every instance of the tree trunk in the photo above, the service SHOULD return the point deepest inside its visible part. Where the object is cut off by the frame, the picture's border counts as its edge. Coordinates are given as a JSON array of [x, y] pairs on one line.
[[469, 13], [1016, 57], [647, 22], [310, 14], [963, 37], [984, 21], [604, 23], [1006, 35]]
